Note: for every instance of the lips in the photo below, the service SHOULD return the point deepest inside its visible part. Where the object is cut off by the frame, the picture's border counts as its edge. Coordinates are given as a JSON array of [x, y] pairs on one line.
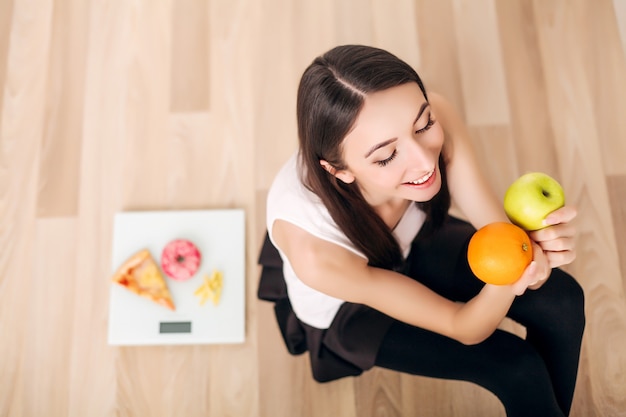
[[421, 180]]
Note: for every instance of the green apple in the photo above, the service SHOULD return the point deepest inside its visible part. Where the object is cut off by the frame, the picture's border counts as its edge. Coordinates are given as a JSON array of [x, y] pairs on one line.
[[531, 198]]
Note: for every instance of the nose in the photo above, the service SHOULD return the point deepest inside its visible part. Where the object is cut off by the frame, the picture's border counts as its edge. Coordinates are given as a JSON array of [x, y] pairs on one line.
[[418, 154]]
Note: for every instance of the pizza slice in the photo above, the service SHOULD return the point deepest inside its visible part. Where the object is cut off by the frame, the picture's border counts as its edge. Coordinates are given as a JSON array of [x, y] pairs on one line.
[[140, 274]]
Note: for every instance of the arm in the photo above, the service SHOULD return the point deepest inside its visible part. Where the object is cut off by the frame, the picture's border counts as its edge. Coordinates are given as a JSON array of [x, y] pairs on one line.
[[340, 273], [472, 193]]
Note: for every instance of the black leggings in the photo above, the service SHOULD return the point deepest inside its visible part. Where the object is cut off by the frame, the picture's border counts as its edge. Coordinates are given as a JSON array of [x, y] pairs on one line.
[[535, 376]]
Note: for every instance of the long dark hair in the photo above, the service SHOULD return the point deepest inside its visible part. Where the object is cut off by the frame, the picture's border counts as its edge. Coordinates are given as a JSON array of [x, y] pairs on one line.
[[330, 96]]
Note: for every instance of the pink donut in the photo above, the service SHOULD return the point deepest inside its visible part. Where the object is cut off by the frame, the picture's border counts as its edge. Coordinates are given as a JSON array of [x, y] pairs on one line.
[[180, 259]]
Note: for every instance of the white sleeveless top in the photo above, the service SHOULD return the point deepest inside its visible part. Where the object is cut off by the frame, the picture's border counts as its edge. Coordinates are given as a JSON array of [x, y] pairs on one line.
[[289, 200]]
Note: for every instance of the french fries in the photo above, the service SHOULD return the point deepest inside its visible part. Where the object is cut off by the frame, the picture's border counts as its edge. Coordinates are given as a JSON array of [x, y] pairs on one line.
[[211, 288]]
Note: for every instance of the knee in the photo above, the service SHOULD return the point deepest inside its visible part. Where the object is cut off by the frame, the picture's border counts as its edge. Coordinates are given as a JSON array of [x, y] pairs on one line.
[[524, 386], [569, 299], [571, 294]]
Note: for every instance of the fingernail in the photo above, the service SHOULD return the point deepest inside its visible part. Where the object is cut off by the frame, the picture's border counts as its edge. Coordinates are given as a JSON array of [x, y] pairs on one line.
[[550, 220]]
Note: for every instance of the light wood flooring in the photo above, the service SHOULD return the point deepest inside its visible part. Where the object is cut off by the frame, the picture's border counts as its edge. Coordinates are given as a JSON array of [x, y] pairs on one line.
[[181, 104]]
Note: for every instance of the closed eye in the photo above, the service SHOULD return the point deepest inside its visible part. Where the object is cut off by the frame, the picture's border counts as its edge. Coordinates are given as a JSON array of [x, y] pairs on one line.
[[385, 161], [430, 124]]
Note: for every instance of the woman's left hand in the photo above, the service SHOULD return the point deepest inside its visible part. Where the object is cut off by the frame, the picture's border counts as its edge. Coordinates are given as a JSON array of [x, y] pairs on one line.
[[557, 240]]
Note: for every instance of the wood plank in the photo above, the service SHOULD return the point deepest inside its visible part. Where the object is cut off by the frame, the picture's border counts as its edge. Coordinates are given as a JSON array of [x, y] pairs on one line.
[[46, 349], [283, 378], [25, 65], [531, 129], [439, 67], [395, 31], [480, 59], [192, 155], [424, 396], [495, 151], [102, 174], [6, 20], [147, 106], [581, 167], [606, 70], [314, 32], [22, 116], [59, 167], [380, 391], [181, 379], [189, 56], [276, 80], [232, 92], [616, 185], [353, 23], [619, 8]]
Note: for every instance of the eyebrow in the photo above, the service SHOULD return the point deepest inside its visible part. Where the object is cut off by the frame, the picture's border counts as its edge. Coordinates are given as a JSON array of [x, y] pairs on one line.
[[388, 141]]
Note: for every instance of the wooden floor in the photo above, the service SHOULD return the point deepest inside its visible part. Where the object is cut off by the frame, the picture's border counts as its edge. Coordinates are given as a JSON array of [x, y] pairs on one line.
[[180, 104]]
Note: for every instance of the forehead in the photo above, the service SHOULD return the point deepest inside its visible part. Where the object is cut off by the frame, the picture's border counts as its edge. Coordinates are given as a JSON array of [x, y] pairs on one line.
[[385, 115]]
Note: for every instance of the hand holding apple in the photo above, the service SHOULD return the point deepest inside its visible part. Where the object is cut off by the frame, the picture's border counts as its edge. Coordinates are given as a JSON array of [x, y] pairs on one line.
[[531, 198], [558, 240], [536, 203]]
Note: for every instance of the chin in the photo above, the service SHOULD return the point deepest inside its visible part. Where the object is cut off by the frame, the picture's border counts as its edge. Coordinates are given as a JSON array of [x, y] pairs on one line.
[[434, 191]]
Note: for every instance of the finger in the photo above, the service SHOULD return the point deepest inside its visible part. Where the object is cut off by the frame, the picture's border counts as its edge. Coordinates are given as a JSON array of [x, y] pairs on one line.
[[538, 284], [553, 232], [543, 268], [563, 215], [538, 254], [521, 284], [557, 259], [530, 275], [558, 245]]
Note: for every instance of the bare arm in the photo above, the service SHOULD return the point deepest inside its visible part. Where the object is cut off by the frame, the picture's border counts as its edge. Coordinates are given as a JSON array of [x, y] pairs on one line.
[[470, 190], [338, 272]]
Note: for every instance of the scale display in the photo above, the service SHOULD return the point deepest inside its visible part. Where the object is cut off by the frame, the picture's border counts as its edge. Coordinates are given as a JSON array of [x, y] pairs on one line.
[[220, 237], [175, 327]]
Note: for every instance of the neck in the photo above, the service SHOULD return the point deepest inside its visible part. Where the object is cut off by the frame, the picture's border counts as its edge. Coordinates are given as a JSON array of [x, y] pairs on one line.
[[392, 211]]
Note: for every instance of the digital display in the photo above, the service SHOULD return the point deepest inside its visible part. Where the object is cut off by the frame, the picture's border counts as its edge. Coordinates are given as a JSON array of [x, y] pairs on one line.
[[175, 327]]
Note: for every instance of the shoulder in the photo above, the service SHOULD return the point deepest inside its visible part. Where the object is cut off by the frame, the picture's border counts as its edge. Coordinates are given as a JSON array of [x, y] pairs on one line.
[[291, 201], [288, 187]]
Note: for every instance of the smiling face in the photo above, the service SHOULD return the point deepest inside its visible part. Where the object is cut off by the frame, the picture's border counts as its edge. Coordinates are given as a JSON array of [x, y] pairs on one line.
[[392, 152]]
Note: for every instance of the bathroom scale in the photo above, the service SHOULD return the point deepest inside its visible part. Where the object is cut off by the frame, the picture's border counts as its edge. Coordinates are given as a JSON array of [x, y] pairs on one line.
[[219, 235]]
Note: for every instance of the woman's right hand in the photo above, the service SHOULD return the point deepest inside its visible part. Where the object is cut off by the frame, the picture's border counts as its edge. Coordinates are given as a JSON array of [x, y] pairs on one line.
[[535, 274]]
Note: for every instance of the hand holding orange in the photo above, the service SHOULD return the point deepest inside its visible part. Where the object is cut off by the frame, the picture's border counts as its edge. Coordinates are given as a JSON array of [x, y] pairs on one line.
[[498, 253]]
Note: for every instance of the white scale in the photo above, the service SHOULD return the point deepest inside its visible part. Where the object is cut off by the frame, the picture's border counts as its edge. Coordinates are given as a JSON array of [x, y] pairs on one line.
[[220, 237]]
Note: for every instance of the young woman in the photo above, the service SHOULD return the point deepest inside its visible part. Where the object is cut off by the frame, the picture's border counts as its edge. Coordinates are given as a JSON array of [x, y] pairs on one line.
[[371, 270]]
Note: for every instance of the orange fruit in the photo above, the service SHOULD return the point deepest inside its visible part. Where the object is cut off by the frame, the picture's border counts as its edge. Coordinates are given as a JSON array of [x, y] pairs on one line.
[[499, 252]]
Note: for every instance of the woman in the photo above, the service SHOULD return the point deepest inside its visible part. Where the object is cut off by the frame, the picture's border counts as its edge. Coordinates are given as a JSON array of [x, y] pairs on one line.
[[372, 271]]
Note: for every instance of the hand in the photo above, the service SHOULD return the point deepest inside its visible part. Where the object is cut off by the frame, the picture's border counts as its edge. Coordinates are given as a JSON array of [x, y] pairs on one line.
[[535, 274], [557, 240]]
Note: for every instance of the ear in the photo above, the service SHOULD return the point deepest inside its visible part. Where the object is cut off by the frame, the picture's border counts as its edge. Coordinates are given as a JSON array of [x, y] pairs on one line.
[[343, 174]]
